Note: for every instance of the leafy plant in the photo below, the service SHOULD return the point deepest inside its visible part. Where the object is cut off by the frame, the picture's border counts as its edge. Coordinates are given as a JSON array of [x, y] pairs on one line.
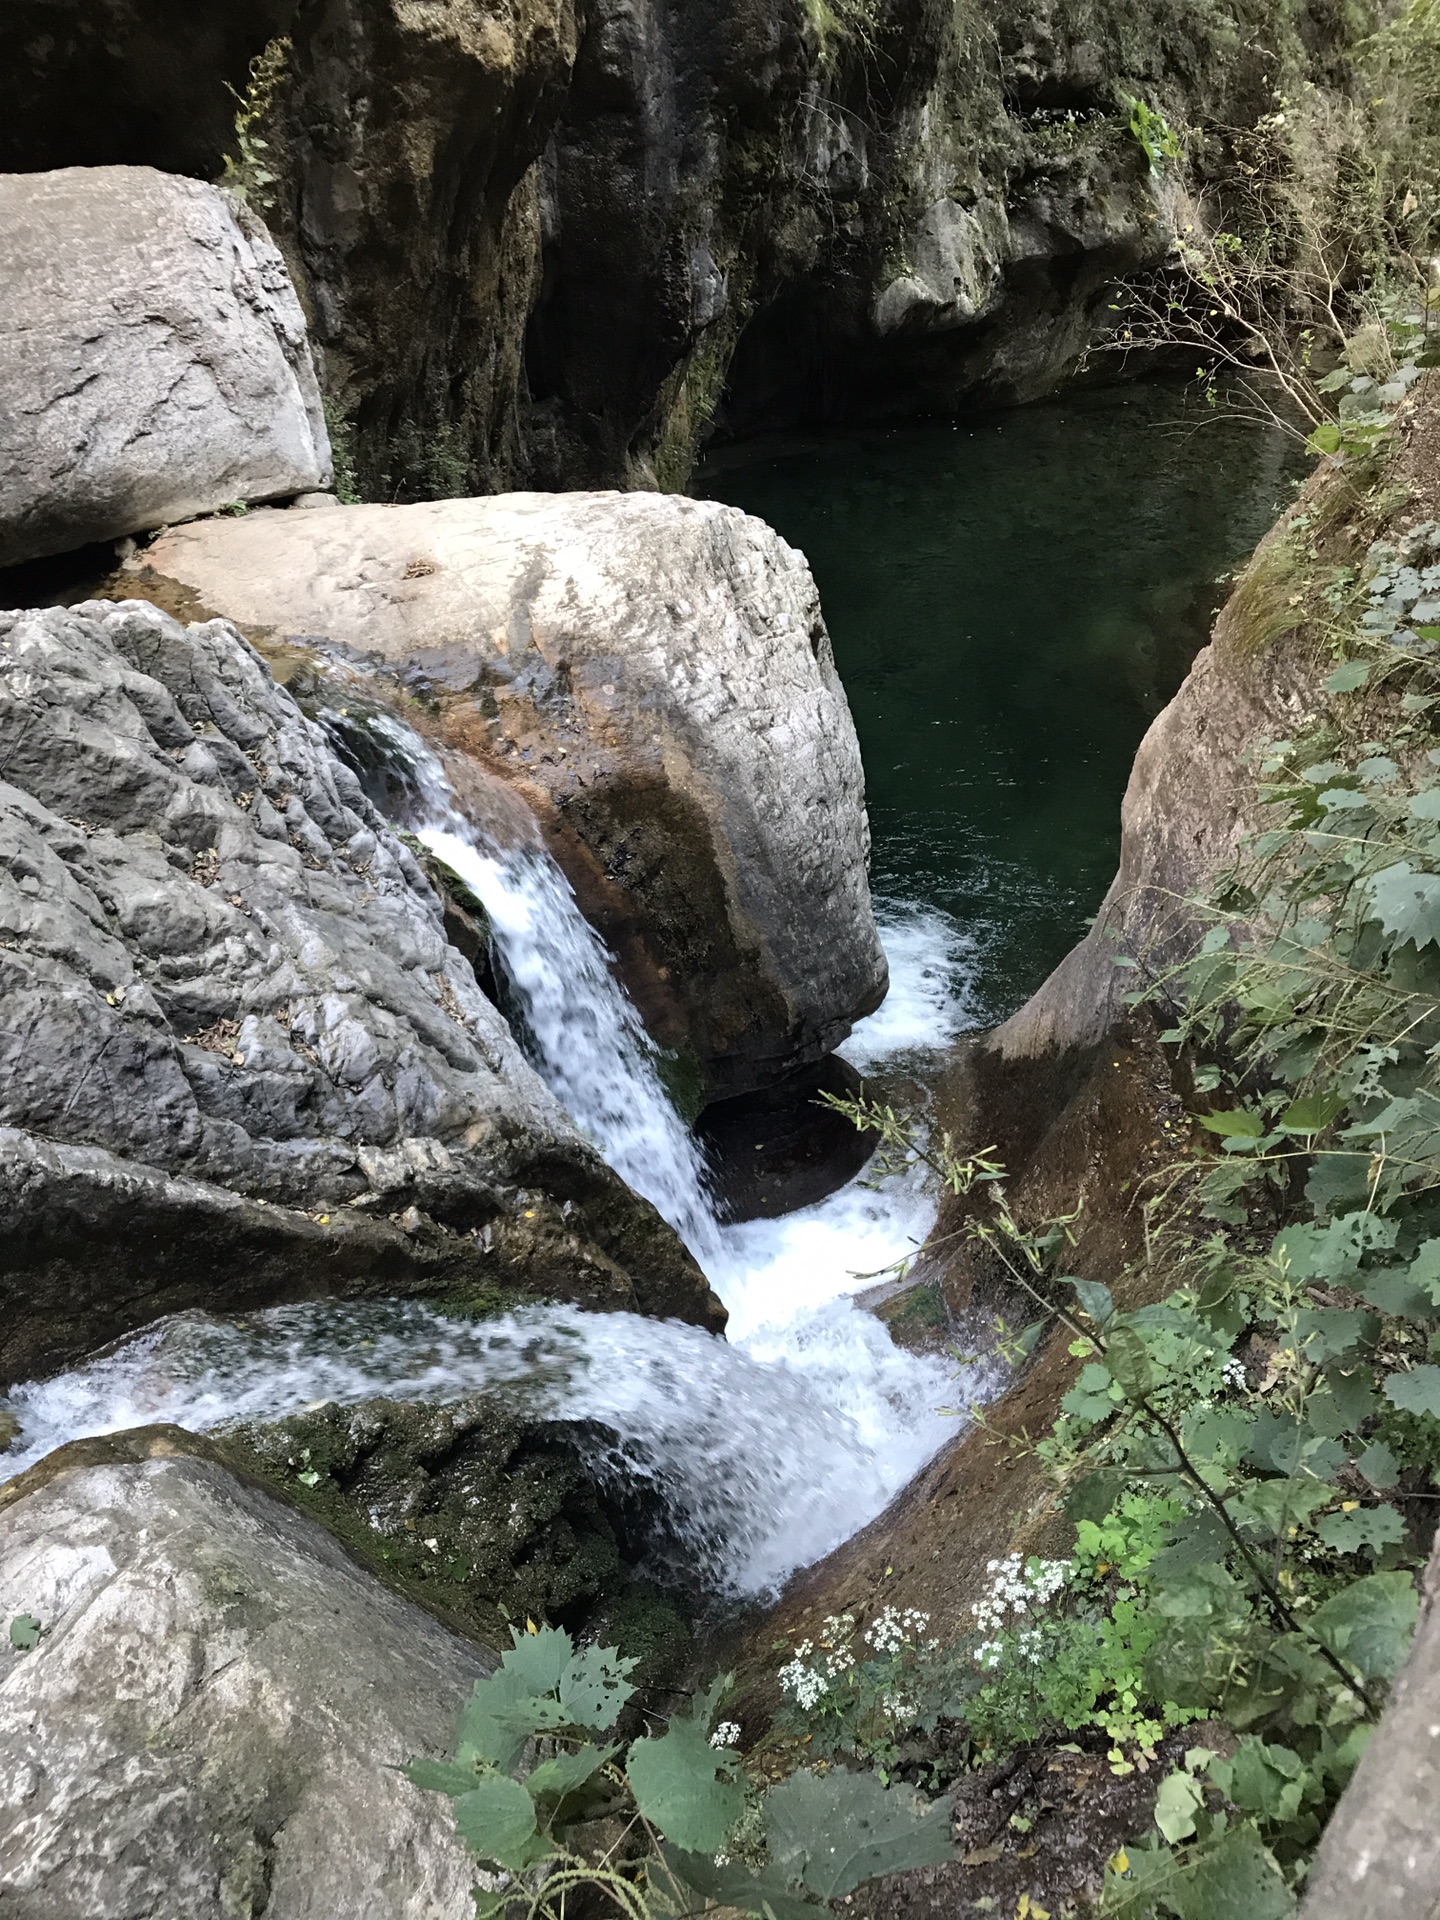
[[1153, 133], [25, 1633], [533, 1771], [248, 172]]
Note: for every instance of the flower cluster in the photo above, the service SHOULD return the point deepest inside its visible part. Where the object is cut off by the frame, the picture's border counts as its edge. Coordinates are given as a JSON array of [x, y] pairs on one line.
[[806, 1678], [895, 1629], [1016, 1588], [726, 1734], [1233, 1372]]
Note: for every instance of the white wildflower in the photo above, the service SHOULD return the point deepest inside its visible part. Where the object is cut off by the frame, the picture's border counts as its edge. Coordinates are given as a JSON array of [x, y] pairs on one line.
[[1233, 1372], [803, 1683], [726, 1734]]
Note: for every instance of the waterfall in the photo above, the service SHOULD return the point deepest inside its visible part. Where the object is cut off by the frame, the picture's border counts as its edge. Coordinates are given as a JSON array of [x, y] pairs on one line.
[[769, 1448]]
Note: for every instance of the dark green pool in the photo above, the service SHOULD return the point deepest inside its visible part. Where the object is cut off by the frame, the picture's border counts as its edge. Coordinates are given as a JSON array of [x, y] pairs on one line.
[[1012, 600]]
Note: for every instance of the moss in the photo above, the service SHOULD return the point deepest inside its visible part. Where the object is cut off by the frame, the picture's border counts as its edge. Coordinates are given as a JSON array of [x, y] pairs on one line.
[[924, 1307], [472, 1510]]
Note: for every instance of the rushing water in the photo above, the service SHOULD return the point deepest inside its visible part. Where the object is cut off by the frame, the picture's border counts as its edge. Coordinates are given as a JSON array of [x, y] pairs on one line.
[[769, 1448], [1012, 599]]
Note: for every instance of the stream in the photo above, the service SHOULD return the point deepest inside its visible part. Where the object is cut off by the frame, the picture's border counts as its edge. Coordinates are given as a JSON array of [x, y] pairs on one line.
[[1002, 660]]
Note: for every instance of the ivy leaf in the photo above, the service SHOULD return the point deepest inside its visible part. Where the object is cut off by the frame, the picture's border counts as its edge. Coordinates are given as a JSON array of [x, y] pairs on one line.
[[1372, 1527], [496, 1820], [1406, 903], [441, 1776], [683, 1785], [835, 1831], [1264, 1779], [1417, 1391], [736, 1886], [1097, 1300], [1369, 1623], [25, 1632]]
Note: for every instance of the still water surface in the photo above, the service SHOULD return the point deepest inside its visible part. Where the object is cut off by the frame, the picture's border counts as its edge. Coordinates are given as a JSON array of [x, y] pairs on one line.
[[1012, 599]]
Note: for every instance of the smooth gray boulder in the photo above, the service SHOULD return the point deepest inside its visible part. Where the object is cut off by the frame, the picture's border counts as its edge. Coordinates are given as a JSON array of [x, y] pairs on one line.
[[224, 981], [153, 359], [210, 1723], [653, 675]]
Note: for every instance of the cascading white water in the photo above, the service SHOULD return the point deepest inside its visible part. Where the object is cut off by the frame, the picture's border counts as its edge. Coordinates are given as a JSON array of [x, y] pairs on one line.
[[769, 1448], [592, 1048]]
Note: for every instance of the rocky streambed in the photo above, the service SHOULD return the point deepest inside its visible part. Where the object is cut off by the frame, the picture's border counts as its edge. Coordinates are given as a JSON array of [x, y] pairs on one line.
[[424, 930]]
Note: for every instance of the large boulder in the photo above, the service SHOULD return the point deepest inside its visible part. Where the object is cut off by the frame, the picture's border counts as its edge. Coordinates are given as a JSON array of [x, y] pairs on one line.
[[654, 676], [212, 1720], [153, 359], [239, 1059], [1380, 1853]]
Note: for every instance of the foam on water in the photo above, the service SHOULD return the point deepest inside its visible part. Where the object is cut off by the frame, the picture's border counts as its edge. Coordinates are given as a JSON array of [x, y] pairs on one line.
[[769, 1448]]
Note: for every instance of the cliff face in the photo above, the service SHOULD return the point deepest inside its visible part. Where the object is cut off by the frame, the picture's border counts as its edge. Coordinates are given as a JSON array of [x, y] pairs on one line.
[[546, 242]]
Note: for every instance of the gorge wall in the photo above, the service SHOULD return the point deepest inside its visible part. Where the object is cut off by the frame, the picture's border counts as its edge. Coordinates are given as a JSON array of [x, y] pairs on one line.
[[552, 244]]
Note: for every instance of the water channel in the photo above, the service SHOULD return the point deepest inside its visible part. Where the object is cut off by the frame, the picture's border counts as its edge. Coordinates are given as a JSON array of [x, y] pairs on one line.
[[1010, 600]]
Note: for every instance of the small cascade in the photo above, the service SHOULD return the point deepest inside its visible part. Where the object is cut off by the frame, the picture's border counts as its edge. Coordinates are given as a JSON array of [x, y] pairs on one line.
[[585, 1034], [768, 1448]]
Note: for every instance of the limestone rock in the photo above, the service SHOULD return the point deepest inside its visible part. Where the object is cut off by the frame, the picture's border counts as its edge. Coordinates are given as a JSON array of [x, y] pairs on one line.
[[153, 359], [230, 1020], [210, 1722], [1380, 1853], [1190, 801], [653, 674]]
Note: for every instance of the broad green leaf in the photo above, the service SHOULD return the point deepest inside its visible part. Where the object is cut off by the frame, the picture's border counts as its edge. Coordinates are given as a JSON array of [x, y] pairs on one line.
[[554, 1779], [837, 1830], [1425, 1269], [1312, 1114], [1128, 1358], [1354, 674], [441, 1776], [1372, 1527], [1176, 1804], [734, 1885], [1262, 1779], [1379, 1465], [1094, 1497], [1328, 1333], [496, 1820], [1334, 1252], [538, 1659], [1417, 1391], [1096, 1299], [594, 1686], [683, 1785], [1406, 903], [498, 1719], [1235, 1880], [1239, 1124], [25, 1633], [1393, 1291], [1195, 1542], [1342, 1402], [1369, 1623]]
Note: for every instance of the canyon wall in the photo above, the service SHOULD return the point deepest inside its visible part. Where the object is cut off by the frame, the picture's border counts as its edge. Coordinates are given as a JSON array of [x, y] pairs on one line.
[[551, 244]]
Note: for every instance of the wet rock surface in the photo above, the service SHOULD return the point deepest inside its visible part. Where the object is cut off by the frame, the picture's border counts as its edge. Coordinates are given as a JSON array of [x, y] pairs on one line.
[[226, 995], [153, 359], [653, 676], [212, 1720]]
